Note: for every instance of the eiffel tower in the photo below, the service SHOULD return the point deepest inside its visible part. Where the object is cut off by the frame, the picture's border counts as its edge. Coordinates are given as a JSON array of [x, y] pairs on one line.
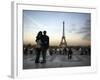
[[63, 42]]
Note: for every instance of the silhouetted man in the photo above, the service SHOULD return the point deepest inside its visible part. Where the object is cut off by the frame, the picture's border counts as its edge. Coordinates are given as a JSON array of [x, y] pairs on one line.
[[45, 45]]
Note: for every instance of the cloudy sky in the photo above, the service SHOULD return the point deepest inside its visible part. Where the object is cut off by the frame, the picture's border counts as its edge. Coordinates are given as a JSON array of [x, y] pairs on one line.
[[77, 26]]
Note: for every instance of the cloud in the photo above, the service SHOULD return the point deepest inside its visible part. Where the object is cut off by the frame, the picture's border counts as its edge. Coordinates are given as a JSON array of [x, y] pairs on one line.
[[85, 31], [87, 36], [73, 28]]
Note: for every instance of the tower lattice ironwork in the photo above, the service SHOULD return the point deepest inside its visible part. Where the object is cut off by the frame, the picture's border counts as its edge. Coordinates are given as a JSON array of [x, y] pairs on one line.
[[63, 42]]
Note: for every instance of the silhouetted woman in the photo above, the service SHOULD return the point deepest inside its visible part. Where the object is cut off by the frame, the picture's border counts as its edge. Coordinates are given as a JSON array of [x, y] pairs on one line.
[[38, 46]]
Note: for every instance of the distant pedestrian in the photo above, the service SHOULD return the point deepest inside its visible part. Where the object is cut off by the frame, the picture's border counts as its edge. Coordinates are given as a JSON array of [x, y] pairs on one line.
[[64, 51], [70, 53]]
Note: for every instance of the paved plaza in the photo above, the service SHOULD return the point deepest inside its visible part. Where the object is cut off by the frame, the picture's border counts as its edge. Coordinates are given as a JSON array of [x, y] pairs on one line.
[[55, 61]]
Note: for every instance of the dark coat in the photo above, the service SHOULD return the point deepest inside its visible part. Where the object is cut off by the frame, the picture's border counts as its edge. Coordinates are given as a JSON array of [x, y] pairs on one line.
[[45, 41]]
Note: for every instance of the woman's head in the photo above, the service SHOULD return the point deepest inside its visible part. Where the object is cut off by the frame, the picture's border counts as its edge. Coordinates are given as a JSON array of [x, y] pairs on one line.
[[39, 34]]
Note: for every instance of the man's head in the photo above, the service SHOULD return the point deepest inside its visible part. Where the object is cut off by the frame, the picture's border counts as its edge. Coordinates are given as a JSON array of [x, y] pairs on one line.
[[44, 32]]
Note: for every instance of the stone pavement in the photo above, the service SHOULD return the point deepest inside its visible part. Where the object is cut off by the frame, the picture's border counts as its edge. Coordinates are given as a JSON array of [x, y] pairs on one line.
[[55, 61]]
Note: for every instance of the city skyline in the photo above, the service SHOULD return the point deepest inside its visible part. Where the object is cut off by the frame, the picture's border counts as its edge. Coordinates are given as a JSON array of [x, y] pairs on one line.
[[77, 27]]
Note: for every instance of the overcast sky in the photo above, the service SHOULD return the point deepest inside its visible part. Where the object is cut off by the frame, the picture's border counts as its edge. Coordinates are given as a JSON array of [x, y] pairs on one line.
[[77, 26]]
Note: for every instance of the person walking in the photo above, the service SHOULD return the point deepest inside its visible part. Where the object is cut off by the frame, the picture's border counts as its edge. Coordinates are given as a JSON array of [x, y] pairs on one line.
[[70, 53]]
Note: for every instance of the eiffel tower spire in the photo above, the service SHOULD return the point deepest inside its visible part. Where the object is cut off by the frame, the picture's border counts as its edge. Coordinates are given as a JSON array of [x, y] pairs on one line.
[[63, 28], [63, 42]]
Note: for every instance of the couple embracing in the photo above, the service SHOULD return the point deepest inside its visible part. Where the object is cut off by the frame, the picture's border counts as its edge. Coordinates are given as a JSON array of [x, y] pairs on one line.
[[42, 41]]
